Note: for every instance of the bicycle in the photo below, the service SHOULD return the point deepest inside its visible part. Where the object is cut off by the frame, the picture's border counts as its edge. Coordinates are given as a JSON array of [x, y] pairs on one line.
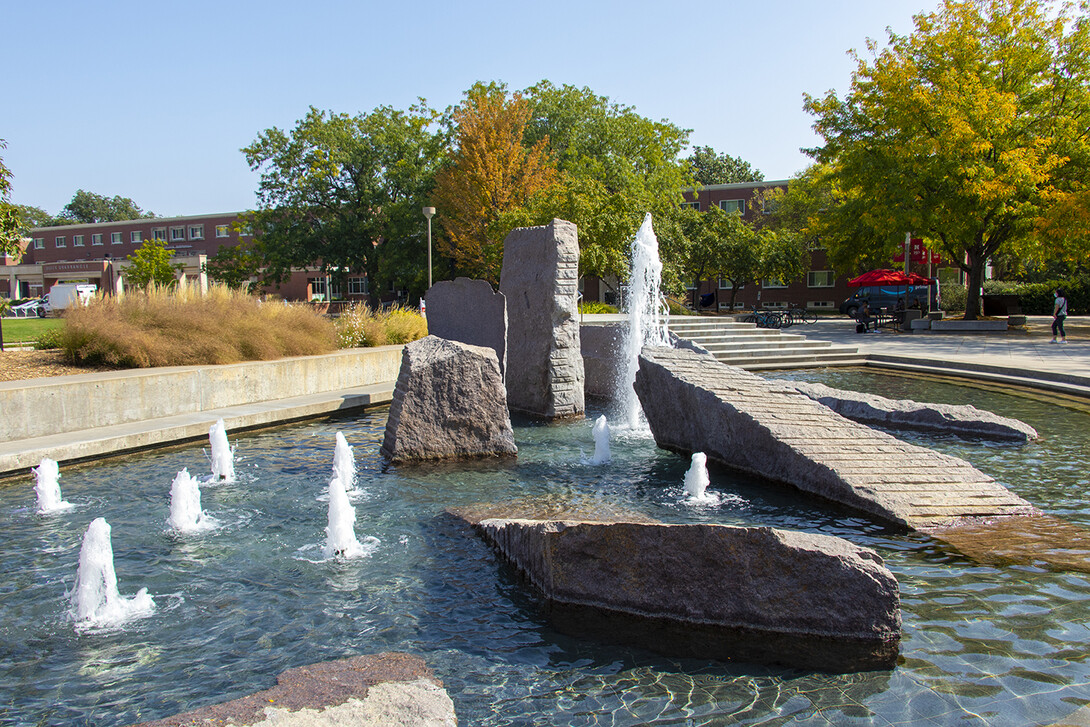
[[801, 315], [765, 318]]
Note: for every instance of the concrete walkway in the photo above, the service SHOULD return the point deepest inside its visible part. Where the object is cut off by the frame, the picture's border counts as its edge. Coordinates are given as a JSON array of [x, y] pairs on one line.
[[1018, 357]]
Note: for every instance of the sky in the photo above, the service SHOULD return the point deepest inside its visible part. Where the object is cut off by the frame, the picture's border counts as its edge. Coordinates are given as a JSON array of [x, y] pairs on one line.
[[153, 101]]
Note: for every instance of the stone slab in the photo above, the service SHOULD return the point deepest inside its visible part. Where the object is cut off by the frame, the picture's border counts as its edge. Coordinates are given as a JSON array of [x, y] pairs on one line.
[[469, 311], [770, 430], [388, 689], [712, 591], [540, 279], [449, 403], [959, 325], [963, 420]]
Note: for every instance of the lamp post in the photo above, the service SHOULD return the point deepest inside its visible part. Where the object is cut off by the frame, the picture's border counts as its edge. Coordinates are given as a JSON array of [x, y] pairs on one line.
[[428, 212]]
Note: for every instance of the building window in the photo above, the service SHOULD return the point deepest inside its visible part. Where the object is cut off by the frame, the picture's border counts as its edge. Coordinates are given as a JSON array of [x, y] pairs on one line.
[[733, 205], [821, 304], [96, 239], [690, 206], [177, 233], [159, 233], [136, 238], [196, 232], [246, 231], [725, 284], [115, 238], [58, 241], [39, 243], [820, 279], [221, 230], [320, 291], [357, 286], [772, 284], [77, 240]]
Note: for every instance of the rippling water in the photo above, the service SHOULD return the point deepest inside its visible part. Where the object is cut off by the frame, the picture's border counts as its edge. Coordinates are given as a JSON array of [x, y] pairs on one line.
[[982, 645]]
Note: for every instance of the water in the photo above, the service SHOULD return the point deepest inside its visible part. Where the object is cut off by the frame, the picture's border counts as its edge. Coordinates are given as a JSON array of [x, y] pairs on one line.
[[344, 463], [186, 515], [647, 319], [600, 433], [341, 539], [47, 487], [223, 462], [96, 600], [697, 478], [237, 605]]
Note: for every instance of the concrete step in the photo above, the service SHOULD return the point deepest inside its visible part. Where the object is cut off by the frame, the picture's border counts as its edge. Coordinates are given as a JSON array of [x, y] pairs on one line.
[[740, 346], [777, 360]]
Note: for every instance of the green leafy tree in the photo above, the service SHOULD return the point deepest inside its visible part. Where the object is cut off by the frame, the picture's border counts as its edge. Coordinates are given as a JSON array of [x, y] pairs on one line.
[[970, 132], [615, 166], [88, 207], [236, 266], [337, 187], [150, 264], [10, 223], [31, 217], [711, 168]]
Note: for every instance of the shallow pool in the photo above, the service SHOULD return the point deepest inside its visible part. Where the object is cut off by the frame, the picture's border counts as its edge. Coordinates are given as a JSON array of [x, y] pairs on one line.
[[238, 605]]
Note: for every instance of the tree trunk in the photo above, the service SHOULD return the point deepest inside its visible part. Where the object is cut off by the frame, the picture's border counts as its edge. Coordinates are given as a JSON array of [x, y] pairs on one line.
[[972, 288]]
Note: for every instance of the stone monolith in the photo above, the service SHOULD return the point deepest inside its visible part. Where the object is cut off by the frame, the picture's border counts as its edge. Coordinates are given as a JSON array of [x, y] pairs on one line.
[[469, 311]]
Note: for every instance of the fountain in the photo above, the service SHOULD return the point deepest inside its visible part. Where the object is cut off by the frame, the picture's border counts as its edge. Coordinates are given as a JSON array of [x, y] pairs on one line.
[[95, 599], [697, 479], [49, 492], [344, 463], [341, 539], [600, 432], [223, 456], [646, 318], [186, 515]]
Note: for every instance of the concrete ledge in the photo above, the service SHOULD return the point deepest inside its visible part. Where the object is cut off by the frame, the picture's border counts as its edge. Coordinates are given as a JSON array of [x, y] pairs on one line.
[[955, 325], [56, 405]]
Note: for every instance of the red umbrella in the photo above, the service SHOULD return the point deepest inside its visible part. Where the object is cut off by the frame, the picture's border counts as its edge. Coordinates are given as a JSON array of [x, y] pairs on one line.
[[880, 277], [917, 279]]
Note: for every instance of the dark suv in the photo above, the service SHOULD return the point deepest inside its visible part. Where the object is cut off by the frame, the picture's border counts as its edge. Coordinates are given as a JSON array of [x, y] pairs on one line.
[[886, 296]]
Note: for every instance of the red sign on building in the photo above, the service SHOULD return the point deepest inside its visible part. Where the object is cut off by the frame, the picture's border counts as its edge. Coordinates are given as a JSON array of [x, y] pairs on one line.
[[917, 253]]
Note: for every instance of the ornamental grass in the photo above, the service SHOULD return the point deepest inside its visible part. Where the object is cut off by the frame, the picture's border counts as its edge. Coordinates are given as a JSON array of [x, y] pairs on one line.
[[360, 326], [164, 327]]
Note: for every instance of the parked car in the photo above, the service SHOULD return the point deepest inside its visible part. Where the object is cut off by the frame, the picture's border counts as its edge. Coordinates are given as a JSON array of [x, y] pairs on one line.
[[886, 296]]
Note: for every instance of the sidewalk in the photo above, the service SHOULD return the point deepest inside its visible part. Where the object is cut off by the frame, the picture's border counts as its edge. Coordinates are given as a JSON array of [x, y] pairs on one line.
[[1017, 357]]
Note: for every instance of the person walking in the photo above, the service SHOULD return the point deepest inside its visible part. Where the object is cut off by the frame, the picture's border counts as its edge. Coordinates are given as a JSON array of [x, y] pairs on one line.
[[1059, 313]]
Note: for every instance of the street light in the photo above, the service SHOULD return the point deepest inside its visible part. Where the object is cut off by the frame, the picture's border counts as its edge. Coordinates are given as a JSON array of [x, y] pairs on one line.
[[428, 212]]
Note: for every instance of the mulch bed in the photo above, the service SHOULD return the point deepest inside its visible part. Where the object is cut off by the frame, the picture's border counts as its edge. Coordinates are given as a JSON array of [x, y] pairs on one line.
[[18, 365]]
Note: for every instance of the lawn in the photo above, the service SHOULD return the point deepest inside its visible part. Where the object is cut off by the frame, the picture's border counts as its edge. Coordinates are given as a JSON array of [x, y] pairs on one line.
[[20, 330]]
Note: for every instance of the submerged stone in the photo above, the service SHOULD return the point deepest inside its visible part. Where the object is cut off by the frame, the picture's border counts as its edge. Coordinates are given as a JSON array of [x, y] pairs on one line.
[[963, 420], [711, 591], [449, 402], [540, 279]]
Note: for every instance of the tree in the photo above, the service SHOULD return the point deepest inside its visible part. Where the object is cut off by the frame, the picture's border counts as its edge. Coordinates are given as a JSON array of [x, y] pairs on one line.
[[970, 132], [491, 173], [615, 166], [150, 263], [235, 266], [10, 225], [336, 187], [711, 168], [31, 217], [88, 207]]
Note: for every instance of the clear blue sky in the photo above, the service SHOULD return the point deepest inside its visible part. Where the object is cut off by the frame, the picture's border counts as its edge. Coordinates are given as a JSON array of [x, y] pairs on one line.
[[153, 100]]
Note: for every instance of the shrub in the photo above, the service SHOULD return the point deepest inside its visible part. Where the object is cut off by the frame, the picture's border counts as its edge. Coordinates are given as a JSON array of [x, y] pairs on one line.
[[1035, 298], [50, 338], [165, 328], [360, 325], [593, 306]]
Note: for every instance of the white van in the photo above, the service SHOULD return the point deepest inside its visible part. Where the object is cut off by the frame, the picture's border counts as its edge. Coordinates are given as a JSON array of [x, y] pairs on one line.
[[63, 295]]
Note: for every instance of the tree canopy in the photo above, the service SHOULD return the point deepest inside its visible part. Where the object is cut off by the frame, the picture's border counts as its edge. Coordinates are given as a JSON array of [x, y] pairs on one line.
[[491, 173], [150, 264], [10, 221], [971, 132], [337, 188], [88, 207], [711, 168]]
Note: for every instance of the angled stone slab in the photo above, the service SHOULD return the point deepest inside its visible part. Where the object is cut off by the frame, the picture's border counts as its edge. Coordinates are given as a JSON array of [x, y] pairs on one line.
[[449, 402], [695, 404], [711, 591], [540, 278], [381, 689], [469, 311], [963, 420]]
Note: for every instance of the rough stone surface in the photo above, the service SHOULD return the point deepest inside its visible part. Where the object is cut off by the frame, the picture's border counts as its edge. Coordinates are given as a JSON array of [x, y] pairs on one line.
[[963, 420], [540, 278], [713, 591], [695, 404], [449, 402], [601, 346], [382, 689], [469, 311]]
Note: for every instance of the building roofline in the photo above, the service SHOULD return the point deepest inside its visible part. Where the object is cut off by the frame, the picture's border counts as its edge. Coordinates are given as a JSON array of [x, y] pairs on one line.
[[739, 185], [138, 221]]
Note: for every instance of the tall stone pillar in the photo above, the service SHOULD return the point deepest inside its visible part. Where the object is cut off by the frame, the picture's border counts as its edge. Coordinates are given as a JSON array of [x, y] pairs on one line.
[[540, 279]]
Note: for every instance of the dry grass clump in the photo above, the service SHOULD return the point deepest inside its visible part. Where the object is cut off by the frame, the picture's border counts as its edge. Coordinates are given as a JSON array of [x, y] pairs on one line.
[[361, 326], [180, 328]]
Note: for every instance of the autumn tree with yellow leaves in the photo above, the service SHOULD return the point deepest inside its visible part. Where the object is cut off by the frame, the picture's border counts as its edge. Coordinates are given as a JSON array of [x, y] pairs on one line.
[[971, 132], [491, 173]]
